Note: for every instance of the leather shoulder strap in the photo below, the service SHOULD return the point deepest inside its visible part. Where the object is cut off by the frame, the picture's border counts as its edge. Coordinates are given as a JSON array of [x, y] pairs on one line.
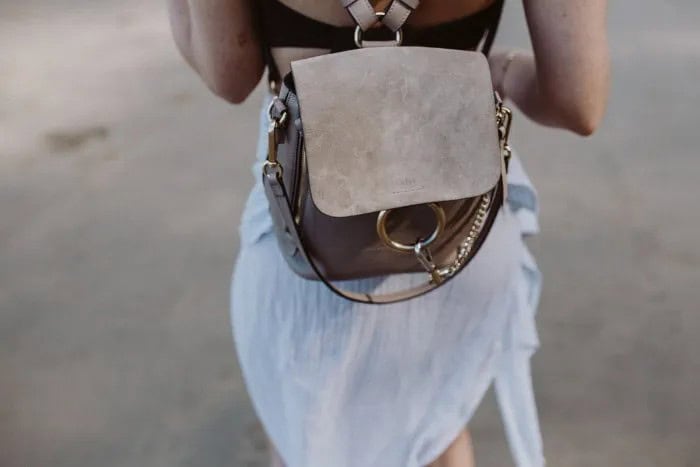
[[495, 21]]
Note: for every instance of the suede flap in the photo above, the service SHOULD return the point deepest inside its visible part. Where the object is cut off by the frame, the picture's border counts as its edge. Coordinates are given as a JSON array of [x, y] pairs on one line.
[[389, 127]]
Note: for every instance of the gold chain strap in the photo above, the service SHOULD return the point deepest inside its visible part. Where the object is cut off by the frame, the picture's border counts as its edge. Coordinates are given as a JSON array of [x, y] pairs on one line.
[[465, 248], [503, 120]]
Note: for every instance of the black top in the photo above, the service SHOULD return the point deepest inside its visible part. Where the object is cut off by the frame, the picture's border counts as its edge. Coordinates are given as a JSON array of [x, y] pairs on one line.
[[284, 27]]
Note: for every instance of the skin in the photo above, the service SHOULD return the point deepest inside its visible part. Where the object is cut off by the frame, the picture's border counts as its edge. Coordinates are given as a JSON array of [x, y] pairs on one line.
[[562, 83]]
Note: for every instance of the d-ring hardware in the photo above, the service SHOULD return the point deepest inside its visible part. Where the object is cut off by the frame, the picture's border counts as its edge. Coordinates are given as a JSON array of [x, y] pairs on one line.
[[384, 236], [359, 41]]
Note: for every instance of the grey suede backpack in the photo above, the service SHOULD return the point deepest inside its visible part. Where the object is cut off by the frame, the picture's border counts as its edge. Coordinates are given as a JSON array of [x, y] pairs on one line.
[[386, 159]]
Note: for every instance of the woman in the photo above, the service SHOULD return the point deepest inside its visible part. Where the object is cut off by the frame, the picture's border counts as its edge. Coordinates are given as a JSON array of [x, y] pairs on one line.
[[340, 384]]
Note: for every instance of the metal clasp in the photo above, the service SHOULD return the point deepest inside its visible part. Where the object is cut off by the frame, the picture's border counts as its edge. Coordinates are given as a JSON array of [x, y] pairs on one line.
[[274, 137], [425, 258], [504, 117], [440, 221], [420, 248], [360, 43]]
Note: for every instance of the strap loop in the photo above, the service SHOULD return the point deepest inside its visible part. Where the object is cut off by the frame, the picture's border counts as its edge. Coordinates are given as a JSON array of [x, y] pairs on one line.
[[394, 17], [360, 43]]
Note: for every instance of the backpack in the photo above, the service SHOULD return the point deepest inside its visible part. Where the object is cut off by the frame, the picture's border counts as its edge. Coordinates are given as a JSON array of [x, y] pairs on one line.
[[386, 159]]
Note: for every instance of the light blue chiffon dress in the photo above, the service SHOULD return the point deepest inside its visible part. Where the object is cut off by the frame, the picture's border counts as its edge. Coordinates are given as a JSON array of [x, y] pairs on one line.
[[342, 384]]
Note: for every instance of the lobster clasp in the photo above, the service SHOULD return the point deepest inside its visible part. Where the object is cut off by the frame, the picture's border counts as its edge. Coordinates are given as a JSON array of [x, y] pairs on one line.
[[504, 117], [278, 119], [425, 258]]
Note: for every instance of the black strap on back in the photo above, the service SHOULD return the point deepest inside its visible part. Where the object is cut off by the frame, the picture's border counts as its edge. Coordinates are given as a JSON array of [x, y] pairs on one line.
[[497, 12]]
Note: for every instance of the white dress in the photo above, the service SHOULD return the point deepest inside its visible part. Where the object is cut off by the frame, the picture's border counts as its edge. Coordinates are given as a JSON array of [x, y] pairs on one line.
[[341, 384]]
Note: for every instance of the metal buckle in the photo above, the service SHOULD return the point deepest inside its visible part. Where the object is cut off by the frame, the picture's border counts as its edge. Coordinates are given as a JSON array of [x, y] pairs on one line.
[[384, 236], [274, 132], [273, 139], [359, 42], [504, 118], [272, 168], [282, 119], [425, 258]]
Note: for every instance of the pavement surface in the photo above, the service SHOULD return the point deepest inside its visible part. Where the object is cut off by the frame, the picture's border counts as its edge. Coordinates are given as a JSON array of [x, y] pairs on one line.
[[121, 184]]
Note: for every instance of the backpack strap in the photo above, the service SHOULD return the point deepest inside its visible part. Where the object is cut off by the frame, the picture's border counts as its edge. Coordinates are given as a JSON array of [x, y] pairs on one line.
[[398, 12], [394, 18], [495, 17], [361, 11]]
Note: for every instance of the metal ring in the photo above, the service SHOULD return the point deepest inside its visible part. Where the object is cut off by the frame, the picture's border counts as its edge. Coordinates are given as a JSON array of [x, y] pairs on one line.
[[278, 122], [398, 40], [384, 236], [272, 166]]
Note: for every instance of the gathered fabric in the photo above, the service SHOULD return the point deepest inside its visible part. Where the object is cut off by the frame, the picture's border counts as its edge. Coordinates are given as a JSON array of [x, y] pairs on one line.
[[342, 384]]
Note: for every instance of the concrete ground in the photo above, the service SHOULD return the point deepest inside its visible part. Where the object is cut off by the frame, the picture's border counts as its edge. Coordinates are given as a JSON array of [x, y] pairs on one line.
[[121, 184]]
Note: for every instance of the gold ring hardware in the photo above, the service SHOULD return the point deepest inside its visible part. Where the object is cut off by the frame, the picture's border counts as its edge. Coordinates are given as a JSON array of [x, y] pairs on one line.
[[359, 42], [384, 236]]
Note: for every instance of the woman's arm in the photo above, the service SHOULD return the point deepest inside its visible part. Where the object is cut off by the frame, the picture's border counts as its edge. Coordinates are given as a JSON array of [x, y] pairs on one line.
[[219, 40], [565, 83]]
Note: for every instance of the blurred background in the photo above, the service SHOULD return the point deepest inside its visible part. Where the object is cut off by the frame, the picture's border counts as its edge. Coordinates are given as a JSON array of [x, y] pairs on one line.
[[121, 184]]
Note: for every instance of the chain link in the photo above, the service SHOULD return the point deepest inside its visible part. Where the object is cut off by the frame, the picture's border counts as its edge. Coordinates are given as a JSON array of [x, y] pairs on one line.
[[465, 248], [503, 120]]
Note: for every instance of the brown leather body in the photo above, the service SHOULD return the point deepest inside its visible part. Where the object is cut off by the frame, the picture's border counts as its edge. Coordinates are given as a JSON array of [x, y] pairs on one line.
[[375, 129]]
